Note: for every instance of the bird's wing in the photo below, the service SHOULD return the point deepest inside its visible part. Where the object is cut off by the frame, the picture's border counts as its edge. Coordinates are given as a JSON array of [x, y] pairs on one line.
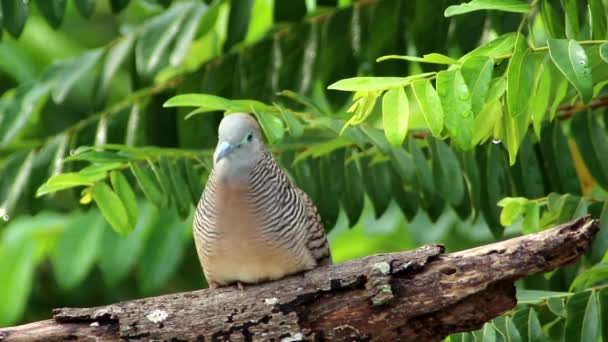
[[317, 240]]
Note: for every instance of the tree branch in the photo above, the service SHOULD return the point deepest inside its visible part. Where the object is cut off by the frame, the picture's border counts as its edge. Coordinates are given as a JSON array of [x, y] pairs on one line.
[[418, 295]]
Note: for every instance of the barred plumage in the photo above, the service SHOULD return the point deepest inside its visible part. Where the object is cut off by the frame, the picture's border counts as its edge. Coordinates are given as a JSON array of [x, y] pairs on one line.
[[252, 223]]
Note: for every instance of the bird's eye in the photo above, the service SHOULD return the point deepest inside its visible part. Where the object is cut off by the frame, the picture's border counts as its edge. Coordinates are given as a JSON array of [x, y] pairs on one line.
[[249, 137]]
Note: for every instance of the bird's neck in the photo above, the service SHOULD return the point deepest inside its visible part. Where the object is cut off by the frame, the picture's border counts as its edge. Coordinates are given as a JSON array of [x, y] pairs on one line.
[[234, 173]]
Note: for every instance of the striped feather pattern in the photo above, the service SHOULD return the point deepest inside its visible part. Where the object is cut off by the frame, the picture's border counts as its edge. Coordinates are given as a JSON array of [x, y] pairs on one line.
[[283, 218]]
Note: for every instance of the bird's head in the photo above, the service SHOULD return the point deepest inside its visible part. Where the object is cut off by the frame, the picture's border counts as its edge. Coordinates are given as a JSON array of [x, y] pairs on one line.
[[240, 142]]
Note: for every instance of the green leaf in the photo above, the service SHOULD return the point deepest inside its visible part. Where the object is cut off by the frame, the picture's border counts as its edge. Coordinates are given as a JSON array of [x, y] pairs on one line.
[[97, 157], [535, 330], [17, 266], [193, 179], [513, 334], [433, 58], [125, 193], [575, 309], [560, 93], [540, 100], [498, 47], [63, 181], [489, 334], [272, 126], [556, 305], [112, 62], [153, 44], [597, 273], [395, 115], [603, 299], [118, 5], [429, 104], [66, 73], [520, 320], [570, 58], [477, 73], [597, 14], [375, 83], [148, 184], [447, 172], [352, 198], [164, 252], [119, 254], [15, 16], [163, 179], [604, 52], [52, 11], [377, 138], [591, 321], [85, 7], [20, 182], [112, 208], [519, 78], [552, 20], [178, 188], [456, 102], [516, 6], [592, 144], [513, 207], [207, 103], [599, 247], [572, 22], [77, 248], [27, 104], [531, 222], [187, 34], [538, 296], [294, 126]]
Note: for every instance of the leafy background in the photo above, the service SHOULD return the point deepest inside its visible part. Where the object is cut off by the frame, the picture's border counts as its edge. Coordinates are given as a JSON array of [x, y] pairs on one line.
[[407, 122]]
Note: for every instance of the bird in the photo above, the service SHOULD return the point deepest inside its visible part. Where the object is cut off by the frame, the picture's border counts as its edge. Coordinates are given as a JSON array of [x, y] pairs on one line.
[[252, 223]]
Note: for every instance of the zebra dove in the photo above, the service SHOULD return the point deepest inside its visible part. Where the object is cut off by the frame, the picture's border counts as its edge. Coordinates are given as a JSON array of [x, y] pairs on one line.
[[252, 223]]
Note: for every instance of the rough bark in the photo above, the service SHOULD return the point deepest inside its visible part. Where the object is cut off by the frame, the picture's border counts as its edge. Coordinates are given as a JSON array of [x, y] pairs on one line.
[[420, 295]]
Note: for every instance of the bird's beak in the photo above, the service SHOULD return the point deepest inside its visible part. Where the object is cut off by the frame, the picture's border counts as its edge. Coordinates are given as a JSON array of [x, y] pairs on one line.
[[224, 149]]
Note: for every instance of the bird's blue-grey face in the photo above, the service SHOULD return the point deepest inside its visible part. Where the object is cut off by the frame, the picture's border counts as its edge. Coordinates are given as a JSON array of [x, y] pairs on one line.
[[239, 140]]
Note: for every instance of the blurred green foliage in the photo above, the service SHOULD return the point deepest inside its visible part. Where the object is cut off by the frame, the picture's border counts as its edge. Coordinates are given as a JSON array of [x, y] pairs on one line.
[[467, 123]]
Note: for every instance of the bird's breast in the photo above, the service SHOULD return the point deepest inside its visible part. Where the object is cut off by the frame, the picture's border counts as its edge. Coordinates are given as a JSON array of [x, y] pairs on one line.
[[241, 250]]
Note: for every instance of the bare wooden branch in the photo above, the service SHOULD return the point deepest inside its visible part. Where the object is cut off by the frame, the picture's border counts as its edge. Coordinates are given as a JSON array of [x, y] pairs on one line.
[[418, 295]]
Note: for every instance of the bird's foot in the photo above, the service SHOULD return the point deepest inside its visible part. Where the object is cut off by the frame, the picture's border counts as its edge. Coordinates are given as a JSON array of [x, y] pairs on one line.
[[240, 285]]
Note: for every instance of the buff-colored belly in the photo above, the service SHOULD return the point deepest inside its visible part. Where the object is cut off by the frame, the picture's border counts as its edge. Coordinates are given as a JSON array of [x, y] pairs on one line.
[[241, 252]]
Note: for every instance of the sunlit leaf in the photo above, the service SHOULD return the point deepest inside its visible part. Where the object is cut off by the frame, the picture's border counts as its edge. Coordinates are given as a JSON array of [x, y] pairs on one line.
[[374, 83], [519, 78], [112, 208], [395, 115], [456, 103], [429, 104], [477, 5], [477, 73], [433, 58]]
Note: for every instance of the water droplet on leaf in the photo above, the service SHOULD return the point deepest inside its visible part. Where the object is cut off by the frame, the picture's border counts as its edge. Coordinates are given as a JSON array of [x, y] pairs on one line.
[[496, 141], [6, 217]]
